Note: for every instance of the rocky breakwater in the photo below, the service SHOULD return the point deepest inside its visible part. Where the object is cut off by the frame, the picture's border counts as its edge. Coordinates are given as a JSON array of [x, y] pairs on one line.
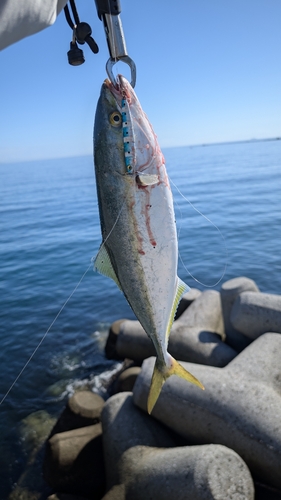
[[196, 445], [73, 461], [144, 460], [240, 407]]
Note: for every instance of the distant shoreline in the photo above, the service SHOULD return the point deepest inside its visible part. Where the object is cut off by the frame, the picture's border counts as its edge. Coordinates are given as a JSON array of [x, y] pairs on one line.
[[241, 141]]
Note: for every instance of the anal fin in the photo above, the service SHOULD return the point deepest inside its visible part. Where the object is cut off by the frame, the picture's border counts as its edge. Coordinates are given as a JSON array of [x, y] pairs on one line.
[[182, 288]]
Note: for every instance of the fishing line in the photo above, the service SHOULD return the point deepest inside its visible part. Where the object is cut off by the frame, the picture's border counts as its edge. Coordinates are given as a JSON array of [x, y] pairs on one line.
[[110, 232], [219, 231], [45, 335], [180, 211]]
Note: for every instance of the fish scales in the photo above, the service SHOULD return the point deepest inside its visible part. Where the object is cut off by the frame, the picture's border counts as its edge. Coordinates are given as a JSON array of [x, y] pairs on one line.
[[139, 247]]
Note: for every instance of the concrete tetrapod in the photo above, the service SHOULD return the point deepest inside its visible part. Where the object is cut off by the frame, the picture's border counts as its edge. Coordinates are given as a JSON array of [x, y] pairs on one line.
[[143, 456], [196, 336], [230, 290], [74, 462], [256, 313], [82, 409], [240, 407]]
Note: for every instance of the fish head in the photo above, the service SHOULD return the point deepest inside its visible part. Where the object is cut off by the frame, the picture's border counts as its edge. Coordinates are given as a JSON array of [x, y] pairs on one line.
[[131, 136], [108, 133]]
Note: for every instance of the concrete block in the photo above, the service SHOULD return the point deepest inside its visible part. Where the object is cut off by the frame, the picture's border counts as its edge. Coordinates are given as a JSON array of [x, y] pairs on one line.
[[117, 492], [256, 313], [229, 292], [126, 380], [209, 472], [240, 407], [197, 345], [74, 462], [133, 343], [205, 312], [146, 471], [110, 347], [125, 426], [82, 409], [196, 336]]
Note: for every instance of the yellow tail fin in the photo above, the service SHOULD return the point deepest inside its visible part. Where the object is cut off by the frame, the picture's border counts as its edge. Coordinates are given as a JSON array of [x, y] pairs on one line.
[[160, 376]]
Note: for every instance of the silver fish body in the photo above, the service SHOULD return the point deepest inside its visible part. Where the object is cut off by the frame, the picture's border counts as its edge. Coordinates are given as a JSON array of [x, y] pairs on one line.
[[139, 240]]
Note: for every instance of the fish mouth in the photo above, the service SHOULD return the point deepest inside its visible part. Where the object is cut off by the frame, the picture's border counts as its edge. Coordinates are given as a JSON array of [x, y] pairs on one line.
[[121, 91]]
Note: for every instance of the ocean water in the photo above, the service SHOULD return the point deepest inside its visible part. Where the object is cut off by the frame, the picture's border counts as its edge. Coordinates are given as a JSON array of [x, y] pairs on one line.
[[49, 231]]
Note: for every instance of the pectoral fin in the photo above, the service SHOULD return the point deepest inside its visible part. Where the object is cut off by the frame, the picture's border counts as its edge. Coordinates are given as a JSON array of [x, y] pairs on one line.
[[160, 376], [103, 265]]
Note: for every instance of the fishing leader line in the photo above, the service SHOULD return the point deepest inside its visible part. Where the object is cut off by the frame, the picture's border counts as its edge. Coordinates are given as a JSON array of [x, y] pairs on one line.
[[216, 227], [45, 335]]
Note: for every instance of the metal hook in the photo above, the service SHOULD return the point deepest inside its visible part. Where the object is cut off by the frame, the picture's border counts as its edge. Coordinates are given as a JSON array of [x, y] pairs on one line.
[[127, 60]]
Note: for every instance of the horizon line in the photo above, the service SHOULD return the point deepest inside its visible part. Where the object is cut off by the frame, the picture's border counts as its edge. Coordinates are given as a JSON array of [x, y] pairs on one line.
[[203, 144]]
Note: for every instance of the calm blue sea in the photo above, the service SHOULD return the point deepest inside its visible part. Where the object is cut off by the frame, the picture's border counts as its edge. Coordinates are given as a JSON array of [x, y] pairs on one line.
[[49, 231]]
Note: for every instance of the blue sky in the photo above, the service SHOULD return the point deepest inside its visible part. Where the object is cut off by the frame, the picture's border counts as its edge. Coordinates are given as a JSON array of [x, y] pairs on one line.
[[208, 71]]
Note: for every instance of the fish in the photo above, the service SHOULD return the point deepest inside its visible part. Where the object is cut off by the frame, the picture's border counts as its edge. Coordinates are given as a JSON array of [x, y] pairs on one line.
[[139, 248]]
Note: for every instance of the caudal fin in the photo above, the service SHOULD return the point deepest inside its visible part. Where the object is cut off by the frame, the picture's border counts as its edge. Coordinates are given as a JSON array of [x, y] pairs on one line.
[[160, 376]]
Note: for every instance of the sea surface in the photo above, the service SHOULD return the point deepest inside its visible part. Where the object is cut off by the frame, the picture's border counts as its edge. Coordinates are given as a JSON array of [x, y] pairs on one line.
[[49, 231]]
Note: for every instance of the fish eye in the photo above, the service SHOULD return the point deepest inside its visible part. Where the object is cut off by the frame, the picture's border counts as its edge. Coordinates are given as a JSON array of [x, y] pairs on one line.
[[115, 118]]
